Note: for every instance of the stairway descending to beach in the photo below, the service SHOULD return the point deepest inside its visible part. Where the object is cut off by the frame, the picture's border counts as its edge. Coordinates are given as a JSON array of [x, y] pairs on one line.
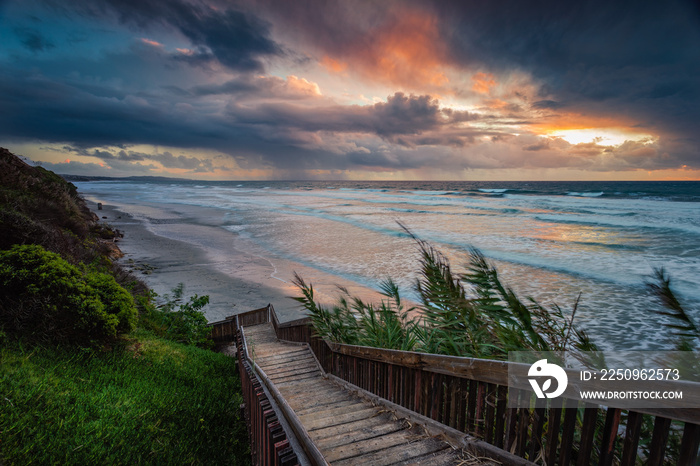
[[313, 401], [346, 428]]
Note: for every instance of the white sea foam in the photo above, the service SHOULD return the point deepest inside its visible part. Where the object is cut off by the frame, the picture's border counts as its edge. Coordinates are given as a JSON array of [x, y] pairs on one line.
[[484, 190], [585, 194], [549, 246]]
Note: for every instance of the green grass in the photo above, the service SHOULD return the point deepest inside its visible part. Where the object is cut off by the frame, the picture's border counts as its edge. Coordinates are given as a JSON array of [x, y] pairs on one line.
[[148, 401]]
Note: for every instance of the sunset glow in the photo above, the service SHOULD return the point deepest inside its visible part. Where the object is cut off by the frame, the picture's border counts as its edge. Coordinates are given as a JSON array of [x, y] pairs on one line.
[[405, 90], [602, 136]]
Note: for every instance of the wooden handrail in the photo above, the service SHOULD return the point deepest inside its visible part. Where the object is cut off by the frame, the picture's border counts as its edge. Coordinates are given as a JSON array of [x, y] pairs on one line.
[[302, 436], [471, 395], [496, 372]]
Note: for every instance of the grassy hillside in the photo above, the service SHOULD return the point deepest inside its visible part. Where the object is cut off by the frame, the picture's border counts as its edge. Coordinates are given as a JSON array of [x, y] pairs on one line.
[[148, 400], [77, 384]]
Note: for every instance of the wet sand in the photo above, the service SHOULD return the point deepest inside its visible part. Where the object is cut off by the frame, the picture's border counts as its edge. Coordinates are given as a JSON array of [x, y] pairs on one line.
[[162, 263]]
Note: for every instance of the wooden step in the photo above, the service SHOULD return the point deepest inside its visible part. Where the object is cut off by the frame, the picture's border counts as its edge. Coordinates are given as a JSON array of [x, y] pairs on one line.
[[347, 429]]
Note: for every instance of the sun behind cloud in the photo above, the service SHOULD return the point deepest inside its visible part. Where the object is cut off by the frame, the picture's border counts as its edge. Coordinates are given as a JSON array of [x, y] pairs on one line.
[[602, 136]]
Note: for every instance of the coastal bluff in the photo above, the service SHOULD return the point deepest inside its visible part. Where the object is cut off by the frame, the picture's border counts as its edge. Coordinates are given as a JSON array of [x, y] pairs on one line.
[[38, 206]]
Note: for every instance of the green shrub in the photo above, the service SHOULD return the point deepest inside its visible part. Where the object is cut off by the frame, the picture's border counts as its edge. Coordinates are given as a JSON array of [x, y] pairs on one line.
[[186, 322], [175, 320], [45, 297], [117, 300]]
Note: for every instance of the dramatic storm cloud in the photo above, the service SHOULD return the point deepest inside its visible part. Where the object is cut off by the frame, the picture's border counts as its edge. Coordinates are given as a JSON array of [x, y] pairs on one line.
[[394, 89]]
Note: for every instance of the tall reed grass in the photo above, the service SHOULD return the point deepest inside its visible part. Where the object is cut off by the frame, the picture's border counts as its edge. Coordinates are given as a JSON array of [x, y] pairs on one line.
[[471, 314]]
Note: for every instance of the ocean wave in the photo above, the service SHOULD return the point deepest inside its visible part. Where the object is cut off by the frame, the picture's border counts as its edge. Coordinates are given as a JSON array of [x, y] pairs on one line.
[[605, 221], [494, 191], [598, 194], [420, 192], [410, 211]]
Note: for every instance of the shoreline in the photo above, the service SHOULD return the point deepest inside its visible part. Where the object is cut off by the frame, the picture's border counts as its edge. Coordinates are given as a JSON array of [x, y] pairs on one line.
[[163, 263]]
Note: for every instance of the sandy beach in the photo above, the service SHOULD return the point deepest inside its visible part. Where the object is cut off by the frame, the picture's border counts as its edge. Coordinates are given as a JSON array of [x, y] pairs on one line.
[[242, 243], [162, 263]]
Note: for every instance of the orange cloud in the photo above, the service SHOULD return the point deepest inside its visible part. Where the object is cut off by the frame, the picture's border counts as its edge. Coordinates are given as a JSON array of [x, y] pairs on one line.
[[151, 42], [302, 86], [405, 50], [483, 82], [496, 104], [334, 66], [410, 50]]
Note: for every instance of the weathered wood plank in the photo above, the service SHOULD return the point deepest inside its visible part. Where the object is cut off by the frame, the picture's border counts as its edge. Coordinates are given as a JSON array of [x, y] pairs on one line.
[[316, 403], [689, 445], [607, 447], [294, 374], [441, 458], [309, 389], [489, 420], [280, 360], [471, 407], [552, 435], [271, 367], [297, 378], [286, 373], [363, 447], [590, 416], [501, 404], [567, 435], [396, 454], [281, 356], [452, 401], [350, 429], [539, 418], [290, 366], [356, 415], [522, 431], [629, 450], [360, 434], [305, 405], [511, 427], [360, 424], [659, 439], [476, 369], [260, 331], [334, 411]]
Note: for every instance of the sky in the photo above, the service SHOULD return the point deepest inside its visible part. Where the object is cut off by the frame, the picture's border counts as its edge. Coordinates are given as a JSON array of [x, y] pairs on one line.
[[373, 90]]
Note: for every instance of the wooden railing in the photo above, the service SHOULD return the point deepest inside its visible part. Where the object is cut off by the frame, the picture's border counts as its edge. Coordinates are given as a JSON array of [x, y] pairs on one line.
[[471, 395], [225, 331], [270, 441]]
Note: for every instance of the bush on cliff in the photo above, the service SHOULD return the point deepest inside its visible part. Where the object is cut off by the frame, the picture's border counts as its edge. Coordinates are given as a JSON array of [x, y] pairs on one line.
[[117, 301], [46, 298], [176, 320], [37, 206]]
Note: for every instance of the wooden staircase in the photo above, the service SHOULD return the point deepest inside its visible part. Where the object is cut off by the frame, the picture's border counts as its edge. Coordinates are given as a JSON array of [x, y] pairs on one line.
[[346, 428]]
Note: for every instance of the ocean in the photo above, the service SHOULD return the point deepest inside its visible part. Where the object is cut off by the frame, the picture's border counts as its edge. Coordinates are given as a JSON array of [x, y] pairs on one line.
[[549, 240]]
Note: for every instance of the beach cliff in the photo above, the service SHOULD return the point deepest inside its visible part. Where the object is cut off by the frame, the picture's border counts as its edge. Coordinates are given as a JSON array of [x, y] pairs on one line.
[[38, 206]]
